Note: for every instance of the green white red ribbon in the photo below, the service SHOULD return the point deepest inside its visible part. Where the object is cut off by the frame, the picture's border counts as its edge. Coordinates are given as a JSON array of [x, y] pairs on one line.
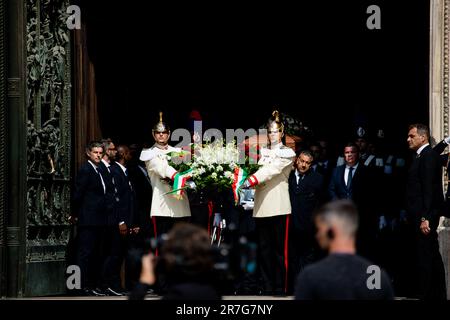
[[238, 180], [179, 182]]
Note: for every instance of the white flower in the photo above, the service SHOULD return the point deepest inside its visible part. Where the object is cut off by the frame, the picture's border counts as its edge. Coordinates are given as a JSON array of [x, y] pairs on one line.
[[219, 168], [214, 175], [228, 174]]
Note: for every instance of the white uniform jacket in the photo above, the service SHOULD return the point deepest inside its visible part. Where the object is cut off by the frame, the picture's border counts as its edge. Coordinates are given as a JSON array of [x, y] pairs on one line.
[[271, 182], [158, 170]]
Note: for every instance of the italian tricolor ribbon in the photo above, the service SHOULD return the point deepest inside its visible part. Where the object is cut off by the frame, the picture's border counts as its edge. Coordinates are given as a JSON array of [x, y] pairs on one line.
[[179, 182], [238, 180]]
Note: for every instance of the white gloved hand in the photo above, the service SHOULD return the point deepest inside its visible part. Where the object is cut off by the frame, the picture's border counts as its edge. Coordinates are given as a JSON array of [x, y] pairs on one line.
[[447, 140], [382, 223], [248, 205], [217, 218], [191, 185], [246, 185]]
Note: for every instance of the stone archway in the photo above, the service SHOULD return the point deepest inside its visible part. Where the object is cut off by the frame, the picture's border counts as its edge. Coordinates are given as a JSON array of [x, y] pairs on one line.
[[439, 99]]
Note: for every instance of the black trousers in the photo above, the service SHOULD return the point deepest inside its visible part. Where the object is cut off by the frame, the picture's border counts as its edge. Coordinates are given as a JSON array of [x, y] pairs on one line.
[[430, 267], [200, 216], [89, 257], [162, 225], [114, 250], [273, 252], [303, 250]]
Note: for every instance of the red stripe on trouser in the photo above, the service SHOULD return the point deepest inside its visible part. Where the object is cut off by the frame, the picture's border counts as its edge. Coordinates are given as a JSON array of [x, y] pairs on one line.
[[210, 212], [286, 264], [156, 234]]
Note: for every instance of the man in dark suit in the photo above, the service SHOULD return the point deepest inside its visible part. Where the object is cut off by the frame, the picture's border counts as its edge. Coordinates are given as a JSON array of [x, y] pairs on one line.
[[89, 212], [124, 213], [356, 182], [104, 167], [424, 202], [306, 194], [142, 185], [109, 243], [321, 164]]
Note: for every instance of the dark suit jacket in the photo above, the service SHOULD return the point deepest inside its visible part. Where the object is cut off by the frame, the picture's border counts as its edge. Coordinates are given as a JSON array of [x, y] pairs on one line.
[[359, 189], [88, 201], [364, 191], [305, 197], [125, 207], [110, 195], [326, 172], [424, 194], [143, 190]]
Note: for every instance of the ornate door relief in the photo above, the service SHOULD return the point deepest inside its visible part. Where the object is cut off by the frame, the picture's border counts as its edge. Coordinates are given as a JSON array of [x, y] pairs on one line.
[[48, 129], [38, 148]]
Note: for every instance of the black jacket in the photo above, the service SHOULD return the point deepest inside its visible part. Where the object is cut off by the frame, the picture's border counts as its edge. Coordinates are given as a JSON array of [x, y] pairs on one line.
[[424, 194], [305, 197], [364, 191], [143, 191], [126, 206], [110, 195], [360, 187], [88, 201]]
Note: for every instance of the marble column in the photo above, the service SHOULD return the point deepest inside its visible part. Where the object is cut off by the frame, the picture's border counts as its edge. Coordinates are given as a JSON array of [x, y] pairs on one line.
[[439, 101]]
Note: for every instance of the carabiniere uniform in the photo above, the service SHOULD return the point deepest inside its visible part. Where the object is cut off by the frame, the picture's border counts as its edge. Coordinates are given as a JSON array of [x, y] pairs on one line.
[[272, 210], [164, 205]]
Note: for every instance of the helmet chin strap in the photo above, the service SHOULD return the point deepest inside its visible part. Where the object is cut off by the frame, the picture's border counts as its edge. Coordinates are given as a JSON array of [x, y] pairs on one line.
[[162, 146]]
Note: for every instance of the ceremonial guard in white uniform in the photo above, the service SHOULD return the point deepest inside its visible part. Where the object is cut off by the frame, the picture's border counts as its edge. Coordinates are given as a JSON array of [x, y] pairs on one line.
[[166, 209], [272, 208]]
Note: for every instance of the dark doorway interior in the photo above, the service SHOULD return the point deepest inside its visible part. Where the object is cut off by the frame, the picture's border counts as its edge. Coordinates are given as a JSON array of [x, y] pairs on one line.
[[317, 61]]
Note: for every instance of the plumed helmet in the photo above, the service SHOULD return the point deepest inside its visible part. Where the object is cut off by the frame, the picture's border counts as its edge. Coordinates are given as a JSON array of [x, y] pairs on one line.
[[161, 125], [275, 123]]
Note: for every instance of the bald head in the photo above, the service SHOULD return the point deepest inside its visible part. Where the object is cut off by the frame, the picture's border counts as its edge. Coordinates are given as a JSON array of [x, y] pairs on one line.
[[123, 154], [342, 214]]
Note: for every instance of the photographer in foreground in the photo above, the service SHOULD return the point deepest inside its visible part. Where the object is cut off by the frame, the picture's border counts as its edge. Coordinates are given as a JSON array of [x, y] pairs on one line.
[[187, 264], [343, 275]]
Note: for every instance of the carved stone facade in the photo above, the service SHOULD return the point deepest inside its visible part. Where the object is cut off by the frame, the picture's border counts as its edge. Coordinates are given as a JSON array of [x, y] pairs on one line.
[[439, 99]]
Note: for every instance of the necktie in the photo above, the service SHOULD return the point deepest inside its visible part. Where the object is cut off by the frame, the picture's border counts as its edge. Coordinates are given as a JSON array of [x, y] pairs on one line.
[[349, 177], [101, 178]]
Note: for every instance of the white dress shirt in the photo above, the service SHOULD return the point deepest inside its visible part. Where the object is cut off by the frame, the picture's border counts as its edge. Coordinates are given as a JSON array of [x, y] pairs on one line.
[[347, 167]]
